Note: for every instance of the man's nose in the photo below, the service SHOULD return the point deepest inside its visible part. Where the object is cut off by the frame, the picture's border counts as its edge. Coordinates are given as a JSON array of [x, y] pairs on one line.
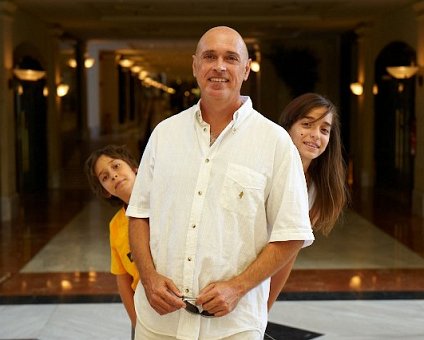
[[220, 65]]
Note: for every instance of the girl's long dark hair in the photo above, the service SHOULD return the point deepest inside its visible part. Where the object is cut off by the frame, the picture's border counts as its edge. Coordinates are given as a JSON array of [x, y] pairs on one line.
[[328, 171]]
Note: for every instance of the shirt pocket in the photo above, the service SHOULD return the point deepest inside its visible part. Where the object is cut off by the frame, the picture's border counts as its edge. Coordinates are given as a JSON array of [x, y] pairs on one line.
[[243, 190]]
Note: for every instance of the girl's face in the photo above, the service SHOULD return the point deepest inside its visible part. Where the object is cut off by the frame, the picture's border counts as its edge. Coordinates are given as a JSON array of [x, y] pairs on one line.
[[311, 134], [115, 176]]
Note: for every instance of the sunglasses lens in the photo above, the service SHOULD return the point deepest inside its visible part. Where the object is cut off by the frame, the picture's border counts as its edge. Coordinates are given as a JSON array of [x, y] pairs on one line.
[[207, 314], [194, 310], [191, 308]]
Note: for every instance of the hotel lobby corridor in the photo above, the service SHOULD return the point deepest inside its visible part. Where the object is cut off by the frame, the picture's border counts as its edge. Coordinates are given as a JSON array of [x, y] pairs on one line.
[[364, 281]]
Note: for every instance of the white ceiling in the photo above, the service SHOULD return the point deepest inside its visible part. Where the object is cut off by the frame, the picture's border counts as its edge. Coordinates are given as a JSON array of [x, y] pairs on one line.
[[165, 31]]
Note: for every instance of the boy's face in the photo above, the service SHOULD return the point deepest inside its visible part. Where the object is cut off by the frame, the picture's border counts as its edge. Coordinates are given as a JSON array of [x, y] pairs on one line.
[[115, 176]]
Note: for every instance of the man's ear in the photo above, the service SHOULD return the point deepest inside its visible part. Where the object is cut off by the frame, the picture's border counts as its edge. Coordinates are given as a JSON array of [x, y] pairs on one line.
[[247, 70], [193, 65]]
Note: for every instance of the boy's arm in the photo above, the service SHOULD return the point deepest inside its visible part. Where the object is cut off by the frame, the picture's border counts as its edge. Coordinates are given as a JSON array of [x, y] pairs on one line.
[[127, 295]]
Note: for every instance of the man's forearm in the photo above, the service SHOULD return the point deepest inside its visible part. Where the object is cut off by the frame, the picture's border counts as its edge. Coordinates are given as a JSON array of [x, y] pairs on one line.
[[139, 237], [272, 258]]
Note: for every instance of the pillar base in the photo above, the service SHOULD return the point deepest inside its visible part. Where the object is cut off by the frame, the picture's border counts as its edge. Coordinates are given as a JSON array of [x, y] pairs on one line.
[[9, 207], [418, 203]]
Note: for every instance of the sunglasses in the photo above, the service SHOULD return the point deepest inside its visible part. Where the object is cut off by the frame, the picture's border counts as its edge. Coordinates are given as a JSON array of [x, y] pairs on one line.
[[192, 308]]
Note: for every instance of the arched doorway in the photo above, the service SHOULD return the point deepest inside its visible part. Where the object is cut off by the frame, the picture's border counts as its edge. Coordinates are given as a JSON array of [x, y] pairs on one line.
[[30, 125], [394, 124]]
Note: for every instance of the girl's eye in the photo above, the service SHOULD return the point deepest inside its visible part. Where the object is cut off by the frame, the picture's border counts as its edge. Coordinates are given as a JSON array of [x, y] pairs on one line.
[[325, 131], [104, 178], [116, 165]]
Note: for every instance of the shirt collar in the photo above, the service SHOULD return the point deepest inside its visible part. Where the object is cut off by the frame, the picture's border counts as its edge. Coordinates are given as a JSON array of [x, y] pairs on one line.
[[238, 117]]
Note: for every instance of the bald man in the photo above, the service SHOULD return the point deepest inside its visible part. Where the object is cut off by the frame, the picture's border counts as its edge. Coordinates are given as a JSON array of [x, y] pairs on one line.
[[219, 205]]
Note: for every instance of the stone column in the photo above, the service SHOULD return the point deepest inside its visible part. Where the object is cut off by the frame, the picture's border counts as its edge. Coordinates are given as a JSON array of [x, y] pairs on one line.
[[8, 194], [53, 110], [364, 122], [418, 191]]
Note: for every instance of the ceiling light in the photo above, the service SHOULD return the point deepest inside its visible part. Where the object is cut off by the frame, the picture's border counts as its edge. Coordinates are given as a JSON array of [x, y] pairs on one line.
[[124, 62], [402, 72], [29, 69]]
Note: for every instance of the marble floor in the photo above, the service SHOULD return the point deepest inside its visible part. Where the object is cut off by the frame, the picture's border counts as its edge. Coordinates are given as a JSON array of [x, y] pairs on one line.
[[364, 281]]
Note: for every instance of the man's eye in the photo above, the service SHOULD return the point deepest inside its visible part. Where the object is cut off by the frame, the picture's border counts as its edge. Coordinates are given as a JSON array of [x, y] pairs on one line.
[[306, 125], [232, 58]]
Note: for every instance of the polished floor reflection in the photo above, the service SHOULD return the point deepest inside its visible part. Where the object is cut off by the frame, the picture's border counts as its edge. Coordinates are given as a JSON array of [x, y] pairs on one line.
[[364, 281]]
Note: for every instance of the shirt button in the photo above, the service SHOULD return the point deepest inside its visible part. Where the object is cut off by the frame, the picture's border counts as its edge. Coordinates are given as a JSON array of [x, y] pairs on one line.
[[187, 290], [205, 129], [189, 258], [199, 193], [207, 160], [193, 226]]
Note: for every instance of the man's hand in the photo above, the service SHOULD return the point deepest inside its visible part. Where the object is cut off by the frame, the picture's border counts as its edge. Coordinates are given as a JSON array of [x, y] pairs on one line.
[[162, 294], [219, 298]]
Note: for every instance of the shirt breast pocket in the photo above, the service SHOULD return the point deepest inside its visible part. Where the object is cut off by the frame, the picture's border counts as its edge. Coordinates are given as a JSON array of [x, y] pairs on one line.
[[243, 190]]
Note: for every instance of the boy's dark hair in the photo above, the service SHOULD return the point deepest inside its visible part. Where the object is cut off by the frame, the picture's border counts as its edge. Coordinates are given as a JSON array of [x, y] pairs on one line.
[[112, 151]]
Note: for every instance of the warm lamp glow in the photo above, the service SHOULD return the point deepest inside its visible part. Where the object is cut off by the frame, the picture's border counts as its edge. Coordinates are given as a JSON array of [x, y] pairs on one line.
[[29, 75], [72, 63], [126, 62], [255, 66], [375, 89], [89, 62], [142, 75], [62, 89], [357, 88], [402, 72], [136, 69]]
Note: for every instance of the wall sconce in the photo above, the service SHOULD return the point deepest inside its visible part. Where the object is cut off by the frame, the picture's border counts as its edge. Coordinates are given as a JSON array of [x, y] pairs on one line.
[[29, 69], [357, 88], [255, 66], [62, 89], [72, 63], [88, 62], [402, 72], [375, 89]]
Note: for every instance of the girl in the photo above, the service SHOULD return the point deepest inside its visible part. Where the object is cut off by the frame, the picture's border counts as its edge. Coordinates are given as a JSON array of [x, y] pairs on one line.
[[314, 126], [111, 173]]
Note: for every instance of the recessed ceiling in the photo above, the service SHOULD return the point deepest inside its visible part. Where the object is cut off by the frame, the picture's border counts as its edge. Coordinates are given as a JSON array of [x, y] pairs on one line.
[[172, 27]]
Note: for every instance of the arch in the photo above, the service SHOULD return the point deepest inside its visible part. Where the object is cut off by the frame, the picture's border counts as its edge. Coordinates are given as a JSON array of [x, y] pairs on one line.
[[30, 112], [394, 124]]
